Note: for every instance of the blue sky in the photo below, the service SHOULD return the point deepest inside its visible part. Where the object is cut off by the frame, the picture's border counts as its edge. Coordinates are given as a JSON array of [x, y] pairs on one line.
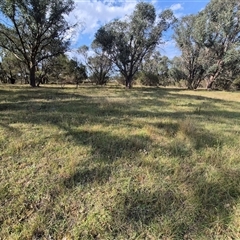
[[95, 13]]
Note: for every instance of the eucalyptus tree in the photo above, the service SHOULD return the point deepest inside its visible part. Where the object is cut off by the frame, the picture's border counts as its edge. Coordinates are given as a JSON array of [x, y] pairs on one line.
[[34, 30], [155, 69], [128, 41], [12, 69], [58, 69], [97, 62], [177, 71], [220, 31], [78, 70], [185, 32], [3, 74]]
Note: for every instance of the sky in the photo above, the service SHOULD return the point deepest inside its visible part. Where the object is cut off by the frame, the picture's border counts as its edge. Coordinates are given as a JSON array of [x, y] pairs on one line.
[[92, 14]]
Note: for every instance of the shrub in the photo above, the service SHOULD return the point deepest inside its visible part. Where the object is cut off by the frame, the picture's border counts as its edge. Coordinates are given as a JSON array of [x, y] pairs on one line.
[[148, 79]]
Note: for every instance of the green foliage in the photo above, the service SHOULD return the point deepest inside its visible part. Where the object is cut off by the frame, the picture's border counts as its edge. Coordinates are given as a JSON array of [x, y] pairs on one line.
[[13, 70], [155, 70], [78, 70], [177, 74], [35, 30], [209, 42], [236, 83], [185, 37], [57, 69], [3, 75], [177, 71], [220, 36], [148, 79], [128, 41], [98, 65]]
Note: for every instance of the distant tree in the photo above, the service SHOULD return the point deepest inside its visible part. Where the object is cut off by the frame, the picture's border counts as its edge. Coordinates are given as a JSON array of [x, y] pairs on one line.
[[59, 69], [98, 64], [154, 70], [12, 68], [3, 75], [78, 70], [35, 30], [177, 71], [128, 41], [236, 83]]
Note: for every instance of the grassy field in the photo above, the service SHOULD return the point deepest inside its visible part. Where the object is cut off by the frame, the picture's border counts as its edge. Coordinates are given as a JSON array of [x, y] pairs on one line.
[[110, 163]]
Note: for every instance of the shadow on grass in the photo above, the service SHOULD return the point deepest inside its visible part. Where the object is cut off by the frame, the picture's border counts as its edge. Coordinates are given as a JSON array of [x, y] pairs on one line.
[[47, 105], [88, 175], [108, 148], [105, 150], [25, 94], [11, 130], [209, 207], [215, 200], [198, 138], [144, 206]]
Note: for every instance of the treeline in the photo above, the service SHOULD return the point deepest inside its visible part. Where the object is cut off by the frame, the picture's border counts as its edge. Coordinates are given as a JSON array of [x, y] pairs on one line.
[[35, 36]]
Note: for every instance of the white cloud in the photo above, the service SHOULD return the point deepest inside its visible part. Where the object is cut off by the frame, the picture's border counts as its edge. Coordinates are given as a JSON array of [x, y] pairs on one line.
[[169, 49], [96, 13], [176, 7], [176, 10]]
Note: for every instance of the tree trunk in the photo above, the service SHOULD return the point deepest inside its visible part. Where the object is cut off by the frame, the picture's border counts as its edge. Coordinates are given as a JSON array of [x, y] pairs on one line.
[[215, 75], [189, 84], [210, 83], [32, 71], [129, 82]]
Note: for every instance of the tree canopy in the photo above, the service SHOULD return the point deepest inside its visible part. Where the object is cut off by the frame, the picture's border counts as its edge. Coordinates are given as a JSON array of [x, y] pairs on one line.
[[98, 64], [128, 41], [220, 34], [34, 30], [185, 36], [209, 42]]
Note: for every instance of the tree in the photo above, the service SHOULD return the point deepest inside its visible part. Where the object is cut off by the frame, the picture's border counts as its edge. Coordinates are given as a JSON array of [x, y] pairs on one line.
[[3, 74], [128, 41], [60, 69], [34, 30], [99, 65], [219, 33], [78, 70], [177, 72], [12, 69], [154, 70], [185, 36]]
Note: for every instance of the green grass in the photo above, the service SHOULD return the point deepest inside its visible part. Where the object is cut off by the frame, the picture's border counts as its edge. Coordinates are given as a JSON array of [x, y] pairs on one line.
[[110, 163]]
